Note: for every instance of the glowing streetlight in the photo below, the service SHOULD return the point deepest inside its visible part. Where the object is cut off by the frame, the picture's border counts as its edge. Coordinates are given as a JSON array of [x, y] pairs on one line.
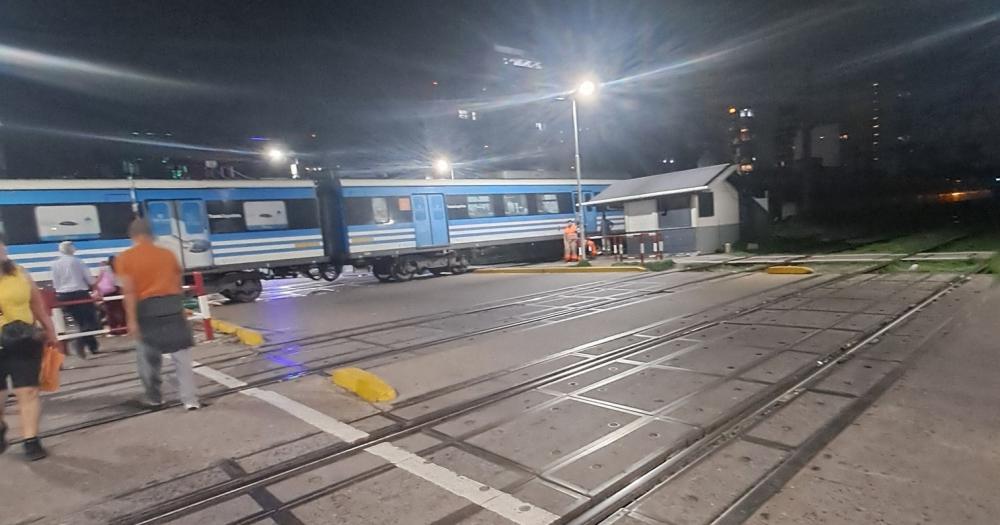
[[276, 155], [586, 88], [443, 167]]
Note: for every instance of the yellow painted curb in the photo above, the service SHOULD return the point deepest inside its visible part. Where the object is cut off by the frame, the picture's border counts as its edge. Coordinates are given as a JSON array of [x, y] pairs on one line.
[[245, 335], [364, 384], [789, 270], [566, 269]]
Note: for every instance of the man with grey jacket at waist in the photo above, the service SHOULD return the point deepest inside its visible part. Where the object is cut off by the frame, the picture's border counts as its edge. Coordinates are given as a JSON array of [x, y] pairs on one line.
[[154, 310]]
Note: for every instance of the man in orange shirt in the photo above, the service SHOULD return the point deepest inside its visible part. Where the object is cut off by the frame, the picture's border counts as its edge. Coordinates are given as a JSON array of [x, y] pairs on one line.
[[154, 310], [570, 242]]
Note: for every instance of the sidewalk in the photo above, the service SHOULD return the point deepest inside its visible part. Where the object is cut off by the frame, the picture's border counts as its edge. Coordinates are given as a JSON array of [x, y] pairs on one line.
[[927, 451]]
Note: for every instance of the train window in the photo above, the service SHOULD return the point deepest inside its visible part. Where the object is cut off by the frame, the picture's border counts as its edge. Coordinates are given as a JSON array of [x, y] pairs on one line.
[[358, 210], [706, 204], [225, 216], [115, 218], [515, 204], [479, 206], [380, 211], [547, 202], [71, 222], [265, 215], [17, 223], [458, 206], [302, 214]]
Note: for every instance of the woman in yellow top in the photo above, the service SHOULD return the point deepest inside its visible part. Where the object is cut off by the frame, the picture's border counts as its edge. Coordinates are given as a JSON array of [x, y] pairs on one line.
[[21, 308]]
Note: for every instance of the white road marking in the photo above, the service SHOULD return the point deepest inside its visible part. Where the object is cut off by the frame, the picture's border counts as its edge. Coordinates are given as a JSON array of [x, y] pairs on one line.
[[485, 496], [213, 374], [332, 426], [475, 492]]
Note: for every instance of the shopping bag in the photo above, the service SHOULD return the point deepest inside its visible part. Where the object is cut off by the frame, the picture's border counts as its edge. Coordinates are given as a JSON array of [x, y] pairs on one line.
[[52, 360]]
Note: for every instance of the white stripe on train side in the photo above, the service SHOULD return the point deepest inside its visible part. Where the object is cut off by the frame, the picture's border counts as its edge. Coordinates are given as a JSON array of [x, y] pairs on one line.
[[373, 233], [269, 257], [357, 249], [266, 240]]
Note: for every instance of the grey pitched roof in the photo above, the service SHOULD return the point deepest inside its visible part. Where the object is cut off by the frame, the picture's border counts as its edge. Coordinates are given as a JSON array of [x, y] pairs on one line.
[[685, 181]]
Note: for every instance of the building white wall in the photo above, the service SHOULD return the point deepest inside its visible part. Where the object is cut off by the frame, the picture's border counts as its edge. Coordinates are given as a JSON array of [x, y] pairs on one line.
[[641, 216], [727, 206]]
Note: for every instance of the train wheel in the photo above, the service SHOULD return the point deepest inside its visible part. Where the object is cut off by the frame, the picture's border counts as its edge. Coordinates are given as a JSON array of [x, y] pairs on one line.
[[460, 266], [404, 271], [382, 271], [246, 290], [329, 272]]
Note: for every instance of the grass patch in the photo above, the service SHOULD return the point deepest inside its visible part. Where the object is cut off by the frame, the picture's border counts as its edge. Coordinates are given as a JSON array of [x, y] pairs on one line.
[[980, 242], [584, 264], [966, 266], [653, 266], [908, 243], [659, 266]]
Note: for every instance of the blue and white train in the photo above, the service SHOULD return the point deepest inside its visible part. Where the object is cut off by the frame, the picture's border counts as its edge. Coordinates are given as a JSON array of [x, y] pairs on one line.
[[239, 232]]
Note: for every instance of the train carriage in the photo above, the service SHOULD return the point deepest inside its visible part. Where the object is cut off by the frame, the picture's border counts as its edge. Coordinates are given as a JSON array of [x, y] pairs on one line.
[[239, 232], [232, 231], [404, 227]]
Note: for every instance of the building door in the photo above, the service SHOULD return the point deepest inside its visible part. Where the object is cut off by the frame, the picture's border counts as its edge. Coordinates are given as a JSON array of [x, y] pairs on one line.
[[430, 220], [182, 227]]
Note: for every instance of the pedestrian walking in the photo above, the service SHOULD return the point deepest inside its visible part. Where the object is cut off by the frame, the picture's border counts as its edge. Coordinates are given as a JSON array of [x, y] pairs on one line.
[[73, 281], [21, 310], [151, 279], [108, 286]]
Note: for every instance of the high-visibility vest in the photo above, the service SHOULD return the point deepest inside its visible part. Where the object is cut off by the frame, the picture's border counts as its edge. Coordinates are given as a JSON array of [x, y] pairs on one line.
[[570, 230]]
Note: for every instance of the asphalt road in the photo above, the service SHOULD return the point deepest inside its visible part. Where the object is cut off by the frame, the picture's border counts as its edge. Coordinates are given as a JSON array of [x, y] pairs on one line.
[[300, 307]]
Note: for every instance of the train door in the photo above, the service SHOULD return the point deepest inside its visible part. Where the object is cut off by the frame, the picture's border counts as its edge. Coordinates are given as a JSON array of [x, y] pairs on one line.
[[182, 227], [430, 219], [589, 214]]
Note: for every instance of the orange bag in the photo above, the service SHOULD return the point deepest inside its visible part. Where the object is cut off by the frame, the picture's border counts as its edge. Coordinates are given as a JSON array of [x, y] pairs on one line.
[[52, 360]]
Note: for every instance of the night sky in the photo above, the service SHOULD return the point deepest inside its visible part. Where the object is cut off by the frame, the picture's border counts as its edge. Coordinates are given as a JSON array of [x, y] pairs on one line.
[[360, 75]]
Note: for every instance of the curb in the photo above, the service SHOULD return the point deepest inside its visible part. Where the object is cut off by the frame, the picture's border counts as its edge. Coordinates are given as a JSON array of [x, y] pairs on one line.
[[566, 269], [789, 270], [363, 384], [245, 335]]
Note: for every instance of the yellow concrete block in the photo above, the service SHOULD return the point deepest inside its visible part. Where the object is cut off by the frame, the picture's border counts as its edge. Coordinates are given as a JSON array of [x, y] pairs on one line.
[[789, 270], [363, 384], [245, 335]]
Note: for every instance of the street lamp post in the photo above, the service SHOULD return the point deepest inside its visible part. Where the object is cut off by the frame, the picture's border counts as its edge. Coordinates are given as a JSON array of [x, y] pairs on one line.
[[442, 166], [585, 89]]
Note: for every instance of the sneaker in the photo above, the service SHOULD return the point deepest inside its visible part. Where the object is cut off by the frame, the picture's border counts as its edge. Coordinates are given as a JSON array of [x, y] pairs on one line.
[[144, 402], [3, 437], [192, 406], [33, 449]]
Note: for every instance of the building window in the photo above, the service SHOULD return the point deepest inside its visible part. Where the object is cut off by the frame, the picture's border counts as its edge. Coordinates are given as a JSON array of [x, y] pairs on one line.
[[547, 202], [706, 204], [380, 211], [515, 204], [62, 223], [265, 215]]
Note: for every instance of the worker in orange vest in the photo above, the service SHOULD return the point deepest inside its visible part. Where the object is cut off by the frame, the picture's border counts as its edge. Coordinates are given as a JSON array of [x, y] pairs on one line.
[[570, 242]]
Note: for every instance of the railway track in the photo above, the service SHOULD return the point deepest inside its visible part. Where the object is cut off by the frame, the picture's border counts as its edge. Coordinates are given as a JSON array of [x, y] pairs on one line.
[[295, 466], [358, 357]]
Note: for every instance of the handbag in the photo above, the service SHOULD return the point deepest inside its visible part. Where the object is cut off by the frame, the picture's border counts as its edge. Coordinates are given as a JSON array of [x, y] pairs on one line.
[[52, 361], [16, 334]]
